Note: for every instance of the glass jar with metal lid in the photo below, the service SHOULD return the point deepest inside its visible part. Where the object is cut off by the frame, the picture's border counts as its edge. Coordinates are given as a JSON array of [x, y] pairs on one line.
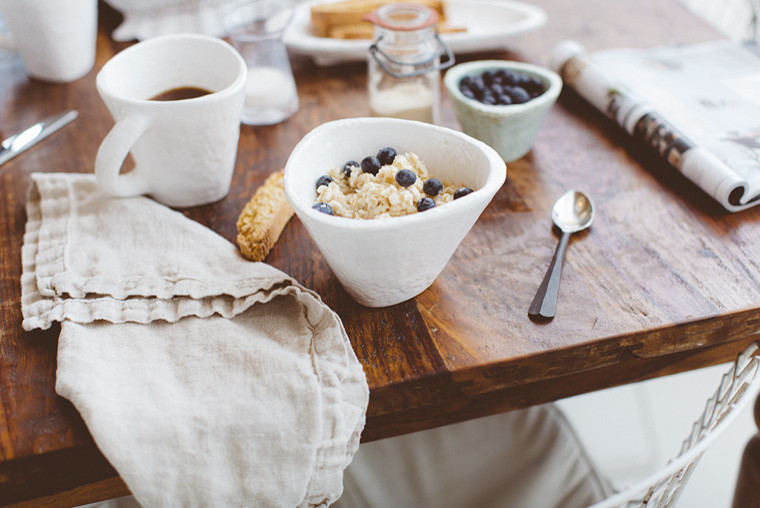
[[404, 62]]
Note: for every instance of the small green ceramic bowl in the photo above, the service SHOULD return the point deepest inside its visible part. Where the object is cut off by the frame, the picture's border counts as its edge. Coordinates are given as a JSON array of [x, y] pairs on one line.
[[508, 129]]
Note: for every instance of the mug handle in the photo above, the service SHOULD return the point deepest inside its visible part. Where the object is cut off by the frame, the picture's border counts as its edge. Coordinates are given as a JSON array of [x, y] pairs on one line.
[[112, 152]]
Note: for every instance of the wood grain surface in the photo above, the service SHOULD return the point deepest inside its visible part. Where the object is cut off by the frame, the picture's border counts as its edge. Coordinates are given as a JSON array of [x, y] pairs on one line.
[[664, 281]]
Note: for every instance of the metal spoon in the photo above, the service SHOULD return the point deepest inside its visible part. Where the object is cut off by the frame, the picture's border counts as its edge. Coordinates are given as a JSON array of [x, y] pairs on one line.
[[571, 213]]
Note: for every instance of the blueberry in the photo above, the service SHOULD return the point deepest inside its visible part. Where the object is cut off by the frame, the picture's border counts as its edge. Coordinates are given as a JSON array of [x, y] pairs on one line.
[[371, 165], [323, 207], [518, 95], [323, 180], [478, 87], [425, 204], [534, 85], [507, 77], [432, 187], [462, 191], [348, 166], [502, 87], [386, 156], [406, 177], [465, 86], [521, 79]]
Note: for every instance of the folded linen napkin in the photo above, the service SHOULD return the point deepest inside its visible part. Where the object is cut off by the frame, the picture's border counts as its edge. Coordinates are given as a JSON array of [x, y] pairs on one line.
[[205, 379]]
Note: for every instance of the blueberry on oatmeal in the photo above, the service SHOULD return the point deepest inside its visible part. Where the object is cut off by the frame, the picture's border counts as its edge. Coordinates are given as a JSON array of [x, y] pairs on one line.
[[371, 165], [425, 204], [323, 207], [323, 180], [432, 187], [405, 177], [386, 155], [462, 191], [348, 167]]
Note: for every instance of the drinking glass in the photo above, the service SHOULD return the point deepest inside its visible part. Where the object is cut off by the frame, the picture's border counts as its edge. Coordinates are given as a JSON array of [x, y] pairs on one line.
[[255, 29]]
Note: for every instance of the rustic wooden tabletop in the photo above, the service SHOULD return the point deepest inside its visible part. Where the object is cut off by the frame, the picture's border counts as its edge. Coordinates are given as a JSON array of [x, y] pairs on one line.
[[664, 281]]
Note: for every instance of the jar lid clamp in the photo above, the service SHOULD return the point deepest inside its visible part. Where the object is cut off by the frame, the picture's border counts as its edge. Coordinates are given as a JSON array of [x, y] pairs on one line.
[[406, 18]]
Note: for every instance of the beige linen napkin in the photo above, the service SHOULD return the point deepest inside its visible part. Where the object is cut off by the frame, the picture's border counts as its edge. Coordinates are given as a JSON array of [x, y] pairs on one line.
[[205, 379]]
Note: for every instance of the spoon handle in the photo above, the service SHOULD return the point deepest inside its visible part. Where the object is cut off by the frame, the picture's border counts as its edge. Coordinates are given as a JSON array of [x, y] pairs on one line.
[[545, 300]]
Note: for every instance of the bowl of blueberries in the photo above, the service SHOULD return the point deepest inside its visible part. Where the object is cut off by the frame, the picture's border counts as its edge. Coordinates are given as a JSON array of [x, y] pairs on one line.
[[387, 201], [503, 103]]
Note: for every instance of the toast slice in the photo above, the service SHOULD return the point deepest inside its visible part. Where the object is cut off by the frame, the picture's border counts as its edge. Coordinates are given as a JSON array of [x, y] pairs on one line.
[[366, 31], [328, 16]]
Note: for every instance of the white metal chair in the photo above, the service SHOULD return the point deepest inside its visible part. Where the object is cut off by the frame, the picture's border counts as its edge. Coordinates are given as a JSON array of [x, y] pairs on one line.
[[738, 387], [529, 458]]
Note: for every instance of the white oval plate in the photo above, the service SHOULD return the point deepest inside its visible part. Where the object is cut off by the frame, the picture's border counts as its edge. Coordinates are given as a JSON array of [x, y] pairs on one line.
[[489, 24]]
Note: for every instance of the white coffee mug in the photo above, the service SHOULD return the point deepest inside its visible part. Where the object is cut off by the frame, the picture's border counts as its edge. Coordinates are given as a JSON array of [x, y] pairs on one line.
[[184, 150], [55, 38]]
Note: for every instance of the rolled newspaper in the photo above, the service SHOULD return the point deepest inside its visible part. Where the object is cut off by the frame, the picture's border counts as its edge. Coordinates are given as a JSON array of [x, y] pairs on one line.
[[644, 121]]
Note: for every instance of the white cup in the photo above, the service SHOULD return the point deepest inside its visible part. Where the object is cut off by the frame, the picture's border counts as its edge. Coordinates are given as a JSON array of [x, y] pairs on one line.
[[55, 38], [184, 150]]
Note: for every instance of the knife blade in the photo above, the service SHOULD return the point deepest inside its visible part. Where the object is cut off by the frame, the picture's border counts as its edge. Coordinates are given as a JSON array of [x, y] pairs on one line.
[[17, 143]]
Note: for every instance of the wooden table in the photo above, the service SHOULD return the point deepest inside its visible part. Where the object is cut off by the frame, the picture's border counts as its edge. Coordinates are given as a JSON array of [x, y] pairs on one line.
[[665, 280]]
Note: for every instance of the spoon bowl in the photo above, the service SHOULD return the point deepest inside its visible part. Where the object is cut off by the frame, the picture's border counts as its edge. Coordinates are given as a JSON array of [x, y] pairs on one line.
[[571, 213]]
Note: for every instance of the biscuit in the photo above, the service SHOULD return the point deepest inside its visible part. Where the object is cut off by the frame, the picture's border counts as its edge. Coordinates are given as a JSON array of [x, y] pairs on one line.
[[264, 217]]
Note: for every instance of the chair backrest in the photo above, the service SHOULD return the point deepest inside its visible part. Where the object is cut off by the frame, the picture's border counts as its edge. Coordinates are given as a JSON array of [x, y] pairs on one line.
[[738, 387]]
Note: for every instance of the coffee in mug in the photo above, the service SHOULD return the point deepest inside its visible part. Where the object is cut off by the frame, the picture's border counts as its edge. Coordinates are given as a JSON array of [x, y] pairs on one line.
[[181, 93], [177, 102]]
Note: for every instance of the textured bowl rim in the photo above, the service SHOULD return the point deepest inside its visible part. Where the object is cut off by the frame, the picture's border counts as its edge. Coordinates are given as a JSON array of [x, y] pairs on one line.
[[493, 182], [456, 73]]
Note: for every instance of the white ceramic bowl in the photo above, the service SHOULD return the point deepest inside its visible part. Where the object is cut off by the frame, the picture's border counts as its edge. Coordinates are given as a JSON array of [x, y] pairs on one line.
[[383, 262], [509, 129]]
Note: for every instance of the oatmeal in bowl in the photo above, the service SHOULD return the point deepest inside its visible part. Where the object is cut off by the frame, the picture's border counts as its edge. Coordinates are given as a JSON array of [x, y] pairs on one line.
[[380, 244], [382, 186]]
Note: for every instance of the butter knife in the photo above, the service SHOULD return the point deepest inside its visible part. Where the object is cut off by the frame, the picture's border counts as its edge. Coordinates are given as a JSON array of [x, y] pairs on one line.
[[14, 145]]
